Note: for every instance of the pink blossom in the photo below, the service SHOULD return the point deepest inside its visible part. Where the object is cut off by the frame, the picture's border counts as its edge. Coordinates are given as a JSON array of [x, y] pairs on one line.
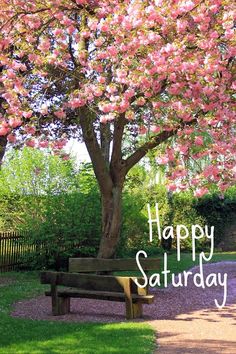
[[140, 101], [142, 130], [71, 29], [27, 114], [60, 114], [155, 128], [30, 143], [14, 122], [99, 42], [211, 171], [199, 141], [44, 45], [181, 25], [30, 130], [81, 2], [103, 119], [187, 5], [66, 157], [11, 138], [101, 79], [58, 32], [4, 131], [77, 102], [104, 27], [98, 92], [162, 160], [183, 149], [129, 115], [172, 187], [43, 144], [200, 192]]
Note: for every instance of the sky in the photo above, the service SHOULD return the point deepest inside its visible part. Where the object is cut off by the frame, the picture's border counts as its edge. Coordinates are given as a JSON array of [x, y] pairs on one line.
[[77, 150]]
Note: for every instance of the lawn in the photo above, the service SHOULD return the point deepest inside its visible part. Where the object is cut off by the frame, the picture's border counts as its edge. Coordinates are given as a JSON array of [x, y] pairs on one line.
[[21, 336]]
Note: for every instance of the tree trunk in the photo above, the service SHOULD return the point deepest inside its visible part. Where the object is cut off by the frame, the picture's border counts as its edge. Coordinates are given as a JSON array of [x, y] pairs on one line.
[[111, 223], [3, 145]]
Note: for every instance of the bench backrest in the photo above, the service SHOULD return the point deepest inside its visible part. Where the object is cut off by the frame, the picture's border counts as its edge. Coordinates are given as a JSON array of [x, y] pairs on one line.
[[84, 265], [93, 282]]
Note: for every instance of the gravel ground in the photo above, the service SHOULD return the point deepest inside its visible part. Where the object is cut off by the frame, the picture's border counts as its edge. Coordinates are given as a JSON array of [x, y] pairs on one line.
[[186, 319]]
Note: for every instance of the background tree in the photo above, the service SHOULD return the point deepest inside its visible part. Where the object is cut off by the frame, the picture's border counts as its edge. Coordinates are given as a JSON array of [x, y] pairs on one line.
[[54, 204], [109, 71]]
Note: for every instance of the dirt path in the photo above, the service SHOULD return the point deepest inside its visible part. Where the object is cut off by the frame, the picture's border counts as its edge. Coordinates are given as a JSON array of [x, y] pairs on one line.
[[206, 332], [186, 319]]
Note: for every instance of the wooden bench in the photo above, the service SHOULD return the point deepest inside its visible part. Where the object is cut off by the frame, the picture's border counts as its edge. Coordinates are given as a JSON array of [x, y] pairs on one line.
[[79, 284]]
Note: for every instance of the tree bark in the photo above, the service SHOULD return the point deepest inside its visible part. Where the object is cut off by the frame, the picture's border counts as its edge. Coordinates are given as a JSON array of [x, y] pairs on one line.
[[111, 223], [3, 145]]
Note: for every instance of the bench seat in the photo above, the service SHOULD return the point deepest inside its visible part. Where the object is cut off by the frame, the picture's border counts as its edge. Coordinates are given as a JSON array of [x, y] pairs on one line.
[[101, 295]]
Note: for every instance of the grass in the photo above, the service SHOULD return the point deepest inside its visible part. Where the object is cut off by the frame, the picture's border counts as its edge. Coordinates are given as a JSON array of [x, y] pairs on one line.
[[23, 336]]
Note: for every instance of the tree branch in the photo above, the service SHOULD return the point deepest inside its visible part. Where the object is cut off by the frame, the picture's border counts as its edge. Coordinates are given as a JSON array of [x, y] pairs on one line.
[[119, 126], [100, 168], [142, 150], [157, 140], [105, 141], [3, 145]]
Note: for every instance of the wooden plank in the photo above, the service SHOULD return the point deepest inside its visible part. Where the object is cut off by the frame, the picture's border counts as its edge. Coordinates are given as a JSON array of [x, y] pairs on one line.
[[98, 265], [90, 281], [102, 295]]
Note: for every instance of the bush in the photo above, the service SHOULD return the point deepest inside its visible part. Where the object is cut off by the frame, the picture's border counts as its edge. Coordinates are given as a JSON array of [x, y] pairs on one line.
[[218, 211]]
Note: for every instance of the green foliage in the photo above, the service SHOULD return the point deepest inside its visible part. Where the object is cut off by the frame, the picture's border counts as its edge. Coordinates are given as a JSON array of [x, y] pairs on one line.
[[58, 206], [33, 172], [179, 208], [134, 232], [66, 225], [218, 211], [184, 213]]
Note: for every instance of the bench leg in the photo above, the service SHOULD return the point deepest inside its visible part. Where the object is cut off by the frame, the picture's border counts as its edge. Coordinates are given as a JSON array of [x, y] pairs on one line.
[[133, 310], [60, 305], [137, 310]]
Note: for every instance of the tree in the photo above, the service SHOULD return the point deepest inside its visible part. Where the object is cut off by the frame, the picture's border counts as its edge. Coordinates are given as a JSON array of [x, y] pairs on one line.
[[125, 76], [53, 203], [37, 173]]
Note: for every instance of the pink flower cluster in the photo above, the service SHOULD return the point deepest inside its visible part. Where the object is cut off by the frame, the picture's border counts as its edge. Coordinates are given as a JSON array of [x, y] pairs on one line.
[[169, 60]]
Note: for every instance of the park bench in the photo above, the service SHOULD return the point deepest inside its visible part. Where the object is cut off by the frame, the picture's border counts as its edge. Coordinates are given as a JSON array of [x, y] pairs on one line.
[[78, 283]]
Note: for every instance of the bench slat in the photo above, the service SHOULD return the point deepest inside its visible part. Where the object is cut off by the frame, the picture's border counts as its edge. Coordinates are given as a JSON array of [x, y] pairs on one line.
[[92, 282], [102, 295], [84, 265]]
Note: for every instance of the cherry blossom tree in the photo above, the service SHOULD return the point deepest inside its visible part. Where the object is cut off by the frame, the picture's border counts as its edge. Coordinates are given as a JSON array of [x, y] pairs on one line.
[[126, 77]]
